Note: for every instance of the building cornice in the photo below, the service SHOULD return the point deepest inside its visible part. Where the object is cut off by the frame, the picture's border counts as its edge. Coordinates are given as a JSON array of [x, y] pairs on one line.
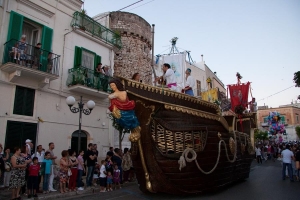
[[36, 7], [72, 4]]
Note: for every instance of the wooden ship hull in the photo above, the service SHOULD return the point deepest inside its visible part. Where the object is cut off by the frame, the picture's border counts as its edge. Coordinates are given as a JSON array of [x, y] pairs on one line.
[[176, 126]]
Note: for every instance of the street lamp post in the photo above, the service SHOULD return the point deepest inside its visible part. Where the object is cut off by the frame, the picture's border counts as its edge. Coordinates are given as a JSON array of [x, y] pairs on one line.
[[90, 105]]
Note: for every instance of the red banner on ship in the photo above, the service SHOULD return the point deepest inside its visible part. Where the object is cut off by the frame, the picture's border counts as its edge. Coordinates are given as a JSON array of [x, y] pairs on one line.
[[239, 95]]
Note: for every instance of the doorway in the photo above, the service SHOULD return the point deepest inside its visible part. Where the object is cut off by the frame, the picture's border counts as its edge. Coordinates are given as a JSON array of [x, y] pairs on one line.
[[83, 140]]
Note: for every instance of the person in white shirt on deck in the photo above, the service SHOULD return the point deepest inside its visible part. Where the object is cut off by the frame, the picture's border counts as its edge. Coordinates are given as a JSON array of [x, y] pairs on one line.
[[169, 76], [190, 83]]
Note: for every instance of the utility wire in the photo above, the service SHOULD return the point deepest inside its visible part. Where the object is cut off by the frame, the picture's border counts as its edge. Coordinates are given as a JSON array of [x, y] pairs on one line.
[[140, 5], [119, 9], [277, 92]]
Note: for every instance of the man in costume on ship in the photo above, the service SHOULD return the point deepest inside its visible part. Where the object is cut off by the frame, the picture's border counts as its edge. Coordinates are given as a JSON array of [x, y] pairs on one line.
[[169, 76], [190, 83]]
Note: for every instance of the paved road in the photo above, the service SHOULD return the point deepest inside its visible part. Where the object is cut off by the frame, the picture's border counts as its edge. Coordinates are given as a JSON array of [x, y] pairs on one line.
[[264, 183]]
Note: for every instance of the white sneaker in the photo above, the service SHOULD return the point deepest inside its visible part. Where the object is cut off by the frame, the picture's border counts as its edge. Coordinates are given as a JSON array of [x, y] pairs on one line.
[[80, 188], [52, 190]]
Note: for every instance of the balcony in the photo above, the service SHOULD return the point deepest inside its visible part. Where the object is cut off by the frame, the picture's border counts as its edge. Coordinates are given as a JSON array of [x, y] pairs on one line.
[[86, 81], [87, 24], [28, 65]]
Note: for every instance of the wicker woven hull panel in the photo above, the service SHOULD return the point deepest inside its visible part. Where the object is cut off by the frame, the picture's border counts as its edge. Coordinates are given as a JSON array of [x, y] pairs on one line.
[[169, 128]]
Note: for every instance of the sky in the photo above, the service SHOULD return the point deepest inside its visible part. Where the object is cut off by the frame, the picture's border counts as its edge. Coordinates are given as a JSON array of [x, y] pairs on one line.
[[258, 39]]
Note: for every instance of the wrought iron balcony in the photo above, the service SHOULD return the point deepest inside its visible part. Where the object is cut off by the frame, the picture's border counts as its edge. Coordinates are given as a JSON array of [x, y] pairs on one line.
[[84, 80], [24, 61], [88, 24]]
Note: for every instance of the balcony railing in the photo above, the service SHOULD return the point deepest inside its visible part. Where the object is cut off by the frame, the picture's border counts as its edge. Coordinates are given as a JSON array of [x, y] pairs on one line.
[[27, 55], [89, 78], [88, 24]]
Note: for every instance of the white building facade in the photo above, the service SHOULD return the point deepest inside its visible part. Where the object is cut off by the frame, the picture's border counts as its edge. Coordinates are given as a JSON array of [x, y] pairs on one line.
[[34, 83]]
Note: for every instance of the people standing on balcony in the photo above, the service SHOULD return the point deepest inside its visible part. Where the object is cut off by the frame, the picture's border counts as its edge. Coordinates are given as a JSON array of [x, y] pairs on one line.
[[169, 76], [37, 52], [21, 50], [107, 72], [99, 68], [189, 84], [136, 77]]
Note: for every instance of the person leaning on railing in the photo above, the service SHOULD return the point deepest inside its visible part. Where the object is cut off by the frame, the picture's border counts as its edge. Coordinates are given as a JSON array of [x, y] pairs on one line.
[[37, 52], [20, 50]]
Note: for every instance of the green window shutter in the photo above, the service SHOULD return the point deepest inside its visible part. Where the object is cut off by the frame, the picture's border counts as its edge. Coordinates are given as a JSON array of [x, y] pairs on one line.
[[97, 60], [15, 26], [24, 101], [283, 119], [77, 57], [47, 38], [46, 41]]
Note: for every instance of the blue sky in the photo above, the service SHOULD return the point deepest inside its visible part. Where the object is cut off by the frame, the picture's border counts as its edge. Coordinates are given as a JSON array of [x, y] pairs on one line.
[[258, 39]]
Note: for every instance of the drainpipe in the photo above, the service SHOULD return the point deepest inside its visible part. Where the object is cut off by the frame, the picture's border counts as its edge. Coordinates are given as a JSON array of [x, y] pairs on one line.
[[152, 63]]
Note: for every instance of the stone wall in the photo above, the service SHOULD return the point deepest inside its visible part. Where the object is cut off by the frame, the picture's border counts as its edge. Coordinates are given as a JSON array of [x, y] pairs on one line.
[[135, 54]]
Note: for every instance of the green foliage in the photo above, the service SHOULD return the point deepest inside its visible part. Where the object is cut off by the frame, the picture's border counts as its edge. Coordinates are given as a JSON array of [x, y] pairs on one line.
[[297, 78], [262, 135], [83, 11], [297, 129]]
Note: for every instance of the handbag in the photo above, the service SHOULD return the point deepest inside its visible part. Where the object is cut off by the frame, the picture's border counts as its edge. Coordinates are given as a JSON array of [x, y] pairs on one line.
[[69, 172], [7, 166]]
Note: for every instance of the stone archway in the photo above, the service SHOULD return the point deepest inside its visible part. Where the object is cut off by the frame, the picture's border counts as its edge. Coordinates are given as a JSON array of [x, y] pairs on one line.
[[83, 139]]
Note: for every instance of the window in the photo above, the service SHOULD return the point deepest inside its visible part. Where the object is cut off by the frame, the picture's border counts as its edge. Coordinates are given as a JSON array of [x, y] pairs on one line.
[[35, 33], [198, 87], [86, 58], [283, 120], [83, 140], [266, 119], [297, 118], [24, 101], [18, 132]]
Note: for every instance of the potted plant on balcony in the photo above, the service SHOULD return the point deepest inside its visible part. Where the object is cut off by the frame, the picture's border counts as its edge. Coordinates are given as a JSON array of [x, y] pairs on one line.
[[82, 16]]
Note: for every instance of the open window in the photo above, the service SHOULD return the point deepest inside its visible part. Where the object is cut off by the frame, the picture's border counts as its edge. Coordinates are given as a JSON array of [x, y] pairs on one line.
[[34, 31]]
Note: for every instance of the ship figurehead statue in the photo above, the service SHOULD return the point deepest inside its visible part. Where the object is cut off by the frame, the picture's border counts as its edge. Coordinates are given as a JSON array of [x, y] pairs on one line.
[[122, 110]]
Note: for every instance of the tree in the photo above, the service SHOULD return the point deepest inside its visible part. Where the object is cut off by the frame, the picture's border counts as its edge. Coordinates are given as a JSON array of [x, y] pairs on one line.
[[297, 79], [122, 130], [262, 135], [297, 129]]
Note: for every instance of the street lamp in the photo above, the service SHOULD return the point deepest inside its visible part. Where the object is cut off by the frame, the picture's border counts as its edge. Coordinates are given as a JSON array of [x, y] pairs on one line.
[[90, 105]]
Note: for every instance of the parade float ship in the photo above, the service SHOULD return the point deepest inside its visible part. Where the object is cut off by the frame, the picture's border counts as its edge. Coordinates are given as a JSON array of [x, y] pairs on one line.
[[186, 146]]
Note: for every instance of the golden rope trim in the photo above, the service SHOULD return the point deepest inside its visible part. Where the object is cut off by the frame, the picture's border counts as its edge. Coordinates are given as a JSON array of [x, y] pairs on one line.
[[198, 113], [151, 107], [167, 92]]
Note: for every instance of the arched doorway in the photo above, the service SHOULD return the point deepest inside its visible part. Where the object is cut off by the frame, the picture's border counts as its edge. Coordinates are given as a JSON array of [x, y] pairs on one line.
[[83, 140]]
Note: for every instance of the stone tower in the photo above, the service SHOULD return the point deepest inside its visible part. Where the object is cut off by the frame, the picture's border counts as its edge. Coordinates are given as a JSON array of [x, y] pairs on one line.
[[135, 54]]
